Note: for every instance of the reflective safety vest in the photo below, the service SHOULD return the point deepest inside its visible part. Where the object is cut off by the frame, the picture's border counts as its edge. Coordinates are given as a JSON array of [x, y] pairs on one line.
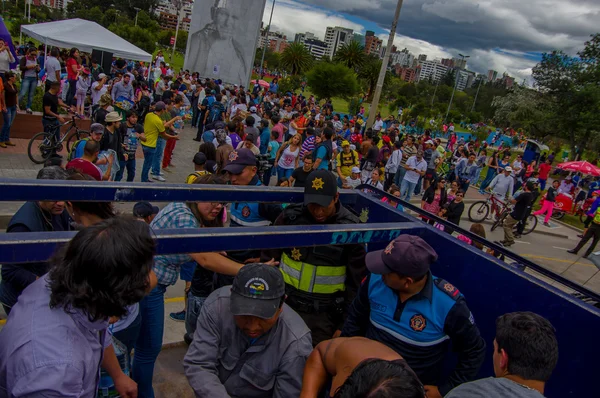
[[312, 278], [247, 215], [597, 216]]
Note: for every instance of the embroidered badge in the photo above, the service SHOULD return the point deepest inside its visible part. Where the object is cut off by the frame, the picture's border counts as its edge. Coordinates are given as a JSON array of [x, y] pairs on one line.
[[233, 156], [296, 255], [318, 183], [418, 323], [246, 212], [389, 248], [257, 286]]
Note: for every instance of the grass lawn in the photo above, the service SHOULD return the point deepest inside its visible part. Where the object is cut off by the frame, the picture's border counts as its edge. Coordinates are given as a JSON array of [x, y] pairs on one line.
[[176, 62]]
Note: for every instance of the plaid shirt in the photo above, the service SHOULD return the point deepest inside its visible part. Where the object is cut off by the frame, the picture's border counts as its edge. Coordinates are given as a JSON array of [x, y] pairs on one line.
[[173, 216]]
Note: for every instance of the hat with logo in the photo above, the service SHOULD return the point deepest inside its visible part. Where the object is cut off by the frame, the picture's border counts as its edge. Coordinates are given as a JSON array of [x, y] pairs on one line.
[[355, 170], [144, 209], [113, 117], [508, 168], [320, 188], [199, 158], [239, 160], [407, 255], [257, 291]]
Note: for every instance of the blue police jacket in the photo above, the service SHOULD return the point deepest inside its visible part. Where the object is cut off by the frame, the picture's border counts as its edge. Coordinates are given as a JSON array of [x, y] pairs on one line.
[[421, 328], [245, 214]]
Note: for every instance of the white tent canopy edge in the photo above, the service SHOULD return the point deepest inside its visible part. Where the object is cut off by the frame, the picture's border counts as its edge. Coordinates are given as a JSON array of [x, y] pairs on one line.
[[86, 36]]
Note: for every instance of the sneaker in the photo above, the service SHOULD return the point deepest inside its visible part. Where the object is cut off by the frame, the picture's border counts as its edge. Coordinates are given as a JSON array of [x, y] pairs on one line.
[[9, 143], [29, 111], [167, 169], [572, 251], [580, 236], [177, 316], [546, 225], [159, 178], [171, 165], [2, 145]]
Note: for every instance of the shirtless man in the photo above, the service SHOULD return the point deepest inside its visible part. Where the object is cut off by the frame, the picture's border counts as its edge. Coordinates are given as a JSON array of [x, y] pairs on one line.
[[338, 358]]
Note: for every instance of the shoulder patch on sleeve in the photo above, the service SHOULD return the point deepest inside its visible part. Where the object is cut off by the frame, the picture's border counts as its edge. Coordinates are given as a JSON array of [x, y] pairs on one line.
[[447, 288]]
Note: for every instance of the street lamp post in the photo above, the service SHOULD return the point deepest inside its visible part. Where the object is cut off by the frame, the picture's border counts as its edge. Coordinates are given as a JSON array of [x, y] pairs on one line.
[[262, 59], [137, 11], [463, 57], [476, 95], [386, 59], [179, 5]]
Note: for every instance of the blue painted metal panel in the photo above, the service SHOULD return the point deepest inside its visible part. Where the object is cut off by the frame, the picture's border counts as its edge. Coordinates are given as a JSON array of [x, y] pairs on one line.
[[491, 287]]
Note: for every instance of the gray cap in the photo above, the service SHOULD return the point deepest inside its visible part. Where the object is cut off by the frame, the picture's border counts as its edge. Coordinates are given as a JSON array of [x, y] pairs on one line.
[[159, 106], [257, 290], [97, 128]]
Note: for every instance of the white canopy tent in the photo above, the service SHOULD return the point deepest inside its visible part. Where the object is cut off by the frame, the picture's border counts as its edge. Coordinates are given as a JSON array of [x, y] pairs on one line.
[[86, 36]]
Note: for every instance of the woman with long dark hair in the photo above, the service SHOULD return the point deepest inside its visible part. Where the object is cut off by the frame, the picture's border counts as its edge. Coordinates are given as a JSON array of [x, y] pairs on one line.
[[73, 67], [10, 108], [434, 198]]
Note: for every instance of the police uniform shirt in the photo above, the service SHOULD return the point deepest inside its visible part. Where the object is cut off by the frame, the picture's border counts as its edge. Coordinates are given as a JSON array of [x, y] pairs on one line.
[[420, 328]]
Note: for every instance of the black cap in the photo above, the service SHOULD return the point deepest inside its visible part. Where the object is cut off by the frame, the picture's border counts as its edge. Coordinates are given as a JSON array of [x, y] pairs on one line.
[[199, 158], [239, 160], [320, 188], [211, 166], [144, 209], [407, 255], [257, 291]]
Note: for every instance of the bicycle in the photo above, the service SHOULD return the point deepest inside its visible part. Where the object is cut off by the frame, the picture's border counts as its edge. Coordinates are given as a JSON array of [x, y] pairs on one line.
[[482, 209], [44, 144]]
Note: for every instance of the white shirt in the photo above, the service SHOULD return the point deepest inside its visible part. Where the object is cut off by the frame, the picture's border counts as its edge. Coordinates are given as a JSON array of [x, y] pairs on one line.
[[96, 94], [52, 65], [227, 140], [158, 61], [412, 162], [393, 162], [378, 125], [6, 58], [353, 183]]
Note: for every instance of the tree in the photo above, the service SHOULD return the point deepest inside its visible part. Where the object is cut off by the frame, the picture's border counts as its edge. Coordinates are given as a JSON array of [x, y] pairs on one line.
[[369, 72], [142, 38], [327, 80], [296, 58], [352, 55], [449, 79]]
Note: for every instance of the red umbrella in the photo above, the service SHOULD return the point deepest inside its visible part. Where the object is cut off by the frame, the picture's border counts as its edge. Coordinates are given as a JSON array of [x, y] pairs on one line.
[[580, 166], [264, 84]]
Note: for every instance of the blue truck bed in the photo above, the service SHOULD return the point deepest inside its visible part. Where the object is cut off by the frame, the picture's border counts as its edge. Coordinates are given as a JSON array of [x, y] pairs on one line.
[[491, 287]]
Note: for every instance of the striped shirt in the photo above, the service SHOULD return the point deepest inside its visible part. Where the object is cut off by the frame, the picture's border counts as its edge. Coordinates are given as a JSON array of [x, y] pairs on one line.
[[407, 152], [173, 216], [307, 146]]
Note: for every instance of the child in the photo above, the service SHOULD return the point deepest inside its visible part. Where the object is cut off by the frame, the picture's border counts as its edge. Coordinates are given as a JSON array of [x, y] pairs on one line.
[[82, 87], [199, 169], [272, 150]]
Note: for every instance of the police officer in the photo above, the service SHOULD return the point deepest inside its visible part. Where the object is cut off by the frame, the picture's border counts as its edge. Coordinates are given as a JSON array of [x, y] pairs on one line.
[[320, 281], [402, 305], [242, 169]]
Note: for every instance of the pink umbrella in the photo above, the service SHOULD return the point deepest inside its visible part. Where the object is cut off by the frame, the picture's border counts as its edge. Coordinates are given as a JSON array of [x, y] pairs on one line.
[[580, 166], [263, 83]]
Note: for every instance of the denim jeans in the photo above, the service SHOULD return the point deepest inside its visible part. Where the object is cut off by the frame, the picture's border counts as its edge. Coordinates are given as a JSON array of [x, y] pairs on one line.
[[283, 173], [149, 342], [158, 155], [194, 305], [491, 173], [130, 334], [399, 176], [70, 100], [418, 186], [28, 86], [148, 158], [130, 165], [9, 118], [406, 189]]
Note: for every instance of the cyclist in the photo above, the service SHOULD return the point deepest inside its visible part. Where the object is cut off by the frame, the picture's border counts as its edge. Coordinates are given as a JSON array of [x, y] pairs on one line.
[[501, 187], [51, 118]]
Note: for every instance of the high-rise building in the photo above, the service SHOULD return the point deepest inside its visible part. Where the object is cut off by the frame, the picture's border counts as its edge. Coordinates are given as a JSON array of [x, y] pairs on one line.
[[448, 62], [460, 63], [264, 38], [373, 43], [402, 58], [300, 37], [336, 37], [167, 15], [278, 44], [464, 79], [492, 75], [422, 57], [433, 70], [316, 47], [406, 74], [57, 4], [507, 80]]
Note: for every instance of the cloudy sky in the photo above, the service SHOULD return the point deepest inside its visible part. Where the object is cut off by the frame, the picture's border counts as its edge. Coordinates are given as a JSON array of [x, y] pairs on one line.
[[504, 35]]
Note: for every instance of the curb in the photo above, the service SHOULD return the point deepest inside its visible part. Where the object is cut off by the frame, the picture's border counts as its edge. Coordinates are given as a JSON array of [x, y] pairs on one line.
[[564, 224]]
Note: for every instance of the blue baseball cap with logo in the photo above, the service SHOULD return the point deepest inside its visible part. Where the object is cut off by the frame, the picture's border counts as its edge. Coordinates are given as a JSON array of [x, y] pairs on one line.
[[257, 290]]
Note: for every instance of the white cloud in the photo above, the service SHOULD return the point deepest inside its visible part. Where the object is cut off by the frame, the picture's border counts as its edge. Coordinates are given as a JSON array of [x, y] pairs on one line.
[[416, 46], [291, 17]]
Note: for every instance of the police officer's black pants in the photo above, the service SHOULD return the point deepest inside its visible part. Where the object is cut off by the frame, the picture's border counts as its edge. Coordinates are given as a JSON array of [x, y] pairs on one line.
[[322, 325], [592, 232]]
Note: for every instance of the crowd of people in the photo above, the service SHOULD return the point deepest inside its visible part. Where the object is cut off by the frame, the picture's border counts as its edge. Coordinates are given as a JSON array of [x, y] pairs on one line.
[[299, 321], [259, 323]]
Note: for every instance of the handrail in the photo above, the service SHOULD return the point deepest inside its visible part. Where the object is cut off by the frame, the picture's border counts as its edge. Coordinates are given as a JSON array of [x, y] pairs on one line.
[[497, 248]]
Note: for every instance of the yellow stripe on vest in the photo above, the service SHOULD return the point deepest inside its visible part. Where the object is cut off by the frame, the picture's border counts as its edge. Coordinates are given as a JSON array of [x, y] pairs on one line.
[[310, 278]]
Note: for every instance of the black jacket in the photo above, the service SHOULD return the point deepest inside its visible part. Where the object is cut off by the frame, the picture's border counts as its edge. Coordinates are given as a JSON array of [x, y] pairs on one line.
[[455, 210], [429, 195]]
